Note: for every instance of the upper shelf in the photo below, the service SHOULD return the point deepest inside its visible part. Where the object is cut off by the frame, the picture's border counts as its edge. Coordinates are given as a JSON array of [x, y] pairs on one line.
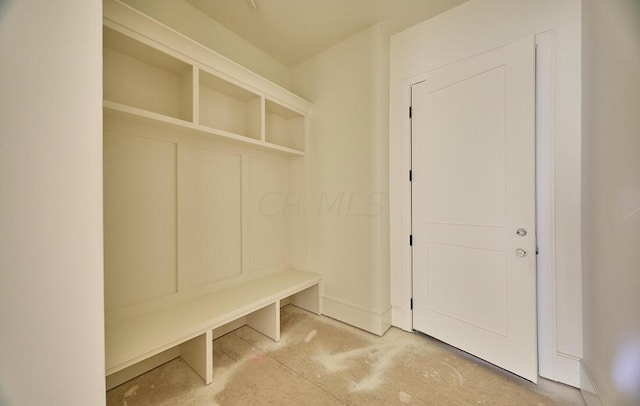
[[161, 87], [117, 110], [228, 107], [284, 126], [138, 75]]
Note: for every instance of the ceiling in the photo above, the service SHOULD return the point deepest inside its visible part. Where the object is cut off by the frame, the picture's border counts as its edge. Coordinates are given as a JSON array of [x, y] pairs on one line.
[[294, 30]]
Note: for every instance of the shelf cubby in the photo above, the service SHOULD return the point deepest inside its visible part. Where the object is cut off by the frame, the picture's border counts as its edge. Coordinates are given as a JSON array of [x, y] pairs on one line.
[[284, 127], [228, 107], [140, 76]]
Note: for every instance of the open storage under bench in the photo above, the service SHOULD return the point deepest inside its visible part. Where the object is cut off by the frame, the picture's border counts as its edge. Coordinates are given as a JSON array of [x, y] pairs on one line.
[[190, 324]]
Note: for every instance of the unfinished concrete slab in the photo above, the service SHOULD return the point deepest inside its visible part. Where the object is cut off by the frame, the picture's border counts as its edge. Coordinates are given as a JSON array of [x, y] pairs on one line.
[[320, 361]]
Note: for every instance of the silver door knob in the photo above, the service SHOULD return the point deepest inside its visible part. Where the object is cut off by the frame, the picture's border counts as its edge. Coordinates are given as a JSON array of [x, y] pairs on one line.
[[521, 232], [521, 252]]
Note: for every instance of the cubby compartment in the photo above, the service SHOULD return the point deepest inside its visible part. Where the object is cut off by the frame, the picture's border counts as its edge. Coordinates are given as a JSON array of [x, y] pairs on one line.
[[228, 107], [140, 76], [284, 127]]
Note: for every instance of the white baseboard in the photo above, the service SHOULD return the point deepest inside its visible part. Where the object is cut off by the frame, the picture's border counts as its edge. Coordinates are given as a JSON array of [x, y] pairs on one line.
[[588, 389], [365, 319], [567, 369]]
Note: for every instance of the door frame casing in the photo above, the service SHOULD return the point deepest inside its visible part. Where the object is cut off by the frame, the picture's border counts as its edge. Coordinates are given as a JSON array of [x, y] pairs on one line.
[[545, 197]]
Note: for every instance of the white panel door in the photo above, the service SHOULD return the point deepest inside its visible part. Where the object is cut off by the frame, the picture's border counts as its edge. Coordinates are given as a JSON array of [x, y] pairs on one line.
[[473, 162]]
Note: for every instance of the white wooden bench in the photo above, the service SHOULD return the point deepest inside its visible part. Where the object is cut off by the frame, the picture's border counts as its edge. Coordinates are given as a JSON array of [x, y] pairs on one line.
[[189, 325]]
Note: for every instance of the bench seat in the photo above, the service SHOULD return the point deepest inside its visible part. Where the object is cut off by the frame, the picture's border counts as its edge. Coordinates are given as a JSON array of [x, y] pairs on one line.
[[190, 324]]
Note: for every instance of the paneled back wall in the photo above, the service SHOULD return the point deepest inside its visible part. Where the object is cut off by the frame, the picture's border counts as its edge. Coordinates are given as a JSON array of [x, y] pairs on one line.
[[205, 169], [186, 214]]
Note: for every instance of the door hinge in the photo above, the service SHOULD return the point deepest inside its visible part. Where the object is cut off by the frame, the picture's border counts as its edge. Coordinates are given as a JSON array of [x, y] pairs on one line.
[[411, 303], [410, 112], [410, 175], [411, 240]]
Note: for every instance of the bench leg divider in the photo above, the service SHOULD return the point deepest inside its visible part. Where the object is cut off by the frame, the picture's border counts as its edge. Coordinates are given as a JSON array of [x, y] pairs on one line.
[[266, 320], [308, 299], [198, 354]]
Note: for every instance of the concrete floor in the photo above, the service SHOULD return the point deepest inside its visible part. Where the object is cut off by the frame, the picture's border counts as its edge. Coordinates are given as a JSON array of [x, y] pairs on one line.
[[320, 361]]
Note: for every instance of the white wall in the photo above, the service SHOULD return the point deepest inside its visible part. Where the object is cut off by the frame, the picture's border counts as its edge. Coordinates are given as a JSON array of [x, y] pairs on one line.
[[347, 85], [471, 28], [611, 198], [51, 305], [189, 21]]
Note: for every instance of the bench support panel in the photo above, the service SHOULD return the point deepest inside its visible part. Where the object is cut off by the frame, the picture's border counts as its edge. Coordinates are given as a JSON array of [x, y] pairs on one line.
[[266, 320], [198, 354], [308, 299]]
